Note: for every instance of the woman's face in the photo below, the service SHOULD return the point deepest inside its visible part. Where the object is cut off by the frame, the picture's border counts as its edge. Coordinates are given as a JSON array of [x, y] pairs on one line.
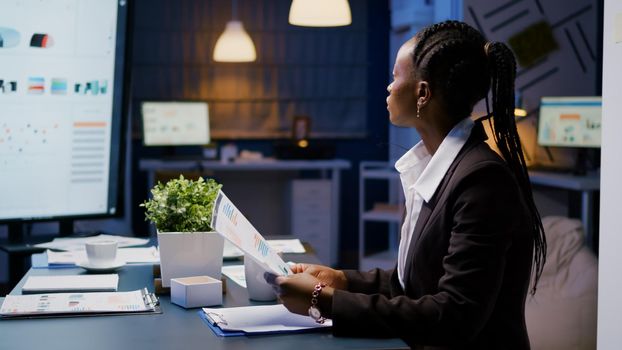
[[402, 99]]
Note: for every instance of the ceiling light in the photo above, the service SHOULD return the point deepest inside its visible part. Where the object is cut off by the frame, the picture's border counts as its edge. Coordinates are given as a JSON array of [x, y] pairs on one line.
[[234, 44], [320, 13]]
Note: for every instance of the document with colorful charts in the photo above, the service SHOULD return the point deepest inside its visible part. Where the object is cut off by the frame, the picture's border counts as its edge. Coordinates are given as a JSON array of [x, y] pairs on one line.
[[229, 222], [79, 304]]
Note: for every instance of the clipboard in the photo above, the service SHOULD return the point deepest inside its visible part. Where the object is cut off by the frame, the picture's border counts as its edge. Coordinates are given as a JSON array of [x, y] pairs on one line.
[[213, 325], [138, 302], [258, 320]]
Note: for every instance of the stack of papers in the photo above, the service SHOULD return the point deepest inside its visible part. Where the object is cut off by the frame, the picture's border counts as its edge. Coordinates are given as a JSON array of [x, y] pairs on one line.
[[262, 319], [280, 245], [69, 283], [69, 244], [147, 255], [70, 251], [287, 245], [79, 304]]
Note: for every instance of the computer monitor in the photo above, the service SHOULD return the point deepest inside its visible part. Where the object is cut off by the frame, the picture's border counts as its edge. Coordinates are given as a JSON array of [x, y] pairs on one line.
[[175, 123], [570, 122], [62, 105]]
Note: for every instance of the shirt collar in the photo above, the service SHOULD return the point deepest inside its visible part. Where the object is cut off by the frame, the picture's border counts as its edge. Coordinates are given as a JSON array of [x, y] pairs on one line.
[[442, 159], [411, 158]]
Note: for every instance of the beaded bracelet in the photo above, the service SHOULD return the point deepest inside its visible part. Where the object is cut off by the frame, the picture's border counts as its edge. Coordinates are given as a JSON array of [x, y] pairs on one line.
[[314, 311]]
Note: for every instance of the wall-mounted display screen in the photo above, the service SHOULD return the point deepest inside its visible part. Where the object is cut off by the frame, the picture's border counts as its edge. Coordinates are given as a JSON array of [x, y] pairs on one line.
[[61, 105]]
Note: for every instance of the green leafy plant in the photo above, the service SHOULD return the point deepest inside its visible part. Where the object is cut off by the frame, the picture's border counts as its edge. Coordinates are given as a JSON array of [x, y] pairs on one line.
[[182, 205]]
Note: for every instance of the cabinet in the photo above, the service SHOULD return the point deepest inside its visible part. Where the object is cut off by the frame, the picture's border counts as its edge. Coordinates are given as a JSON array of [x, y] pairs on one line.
[[388, 211], [312, 216]]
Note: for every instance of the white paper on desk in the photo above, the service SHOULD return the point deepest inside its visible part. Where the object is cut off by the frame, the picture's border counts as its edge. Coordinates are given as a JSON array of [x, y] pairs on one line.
[[139, 255], [147, 255], [229, 222], [65, 258], [54, 303], [287, 245], [260, 319], [71, 283], [64, 243]]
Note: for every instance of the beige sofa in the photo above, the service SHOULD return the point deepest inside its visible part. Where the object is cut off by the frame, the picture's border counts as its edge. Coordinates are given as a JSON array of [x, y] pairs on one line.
[[562, 314]]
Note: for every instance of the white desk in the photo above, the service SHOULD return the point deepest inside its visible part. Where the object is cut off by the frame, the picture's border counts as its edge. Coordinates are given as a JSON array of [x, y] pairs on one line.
[[327, 168], [586, 184]]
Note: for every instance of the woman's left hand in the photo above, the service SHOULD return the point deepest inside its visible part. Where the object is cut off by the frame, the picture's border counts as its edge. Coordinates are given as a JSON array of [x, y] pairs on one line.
[[295, 293]]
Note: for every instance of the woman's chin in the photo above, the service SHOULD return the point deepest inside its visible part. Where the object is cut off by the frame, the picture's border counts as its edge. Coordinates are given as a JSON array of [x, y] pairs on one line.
[[401, 122]]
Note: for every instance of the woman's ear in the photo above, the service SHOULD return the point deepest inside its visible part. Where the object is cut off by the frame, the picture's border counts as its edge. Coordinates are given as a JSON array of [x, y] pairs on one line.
[[423, 93]]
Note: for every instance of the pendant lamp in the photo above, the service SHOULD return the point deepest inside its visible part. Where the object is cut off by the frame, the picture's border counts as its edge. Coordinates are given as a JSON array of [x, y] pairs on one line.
[[234, 44], [320, 13], [520, 112]]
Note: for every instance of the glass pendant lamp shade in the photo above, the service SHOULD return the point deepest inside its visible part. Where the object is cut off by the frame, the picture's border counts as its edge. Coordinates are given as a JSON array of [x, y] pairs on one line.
[[234, 45], [320, 13]]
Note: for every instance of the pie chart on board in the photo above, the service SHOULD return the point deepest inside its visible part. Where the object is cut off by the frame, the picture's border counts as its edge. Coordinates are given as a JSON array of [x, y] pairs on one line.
[[41, 40], [8, 37]]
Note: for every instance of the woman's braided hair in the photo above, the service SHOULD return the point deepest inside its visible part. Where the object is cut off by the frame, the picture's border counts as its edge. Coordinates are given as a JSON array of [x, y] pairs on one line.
[[462, 66]]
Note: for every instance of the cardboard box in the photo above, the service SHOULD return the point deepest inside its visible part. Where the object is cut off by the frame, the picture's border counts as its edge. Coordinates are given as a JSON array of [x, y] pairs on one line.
[[196, 291]]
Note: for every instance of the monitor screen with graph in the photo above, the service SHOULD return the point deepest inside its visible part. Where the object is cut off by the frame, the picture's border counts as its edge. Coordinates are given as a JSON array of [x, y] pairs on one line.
[[570, 122], [171, 123], [63, 98]]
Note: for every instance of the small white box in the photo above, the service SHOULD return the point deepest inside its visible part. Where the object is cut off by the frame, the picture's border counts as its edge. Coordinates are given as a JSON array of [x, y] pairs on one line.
[[196, 291]]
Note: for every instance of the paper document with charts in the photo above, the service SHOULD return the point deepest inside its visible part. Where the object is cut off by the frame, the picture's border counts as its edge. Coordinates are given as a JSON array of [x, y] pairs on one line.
[[229, 222], [79, 304]]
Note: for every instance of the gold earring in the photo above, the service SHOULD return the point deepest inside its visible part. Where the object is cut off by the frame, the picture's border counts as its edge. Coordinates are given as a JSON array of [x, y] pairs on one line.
[[418, 108]]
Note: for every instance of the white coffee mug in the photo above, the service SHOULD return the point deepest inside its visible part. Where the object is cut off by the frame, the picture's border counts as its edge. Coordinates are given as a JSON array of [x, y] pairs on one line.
[[258, 288], [102, 253]]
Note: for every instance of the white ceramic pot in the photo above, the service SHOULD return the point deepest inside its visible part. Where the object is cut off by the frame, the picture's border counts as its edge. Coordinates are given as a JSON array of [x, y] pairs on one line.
[[186, 254]]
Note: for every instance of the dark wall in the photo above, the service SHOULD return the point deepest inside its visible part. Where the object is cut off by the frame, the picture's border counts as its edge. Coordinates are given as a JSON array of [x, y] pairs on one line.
[[160, 74], [375, 145]]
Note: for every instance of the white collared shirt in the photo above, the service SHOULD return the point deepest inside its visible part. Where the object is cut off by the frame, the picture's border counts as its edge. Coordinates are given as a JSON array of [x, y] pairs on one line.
[[421, 174]]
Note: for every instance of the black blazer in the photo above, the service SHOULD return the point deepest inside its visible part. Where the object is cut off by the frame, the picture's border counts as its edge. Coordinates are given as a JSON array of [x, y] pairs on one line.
[[468, 268]]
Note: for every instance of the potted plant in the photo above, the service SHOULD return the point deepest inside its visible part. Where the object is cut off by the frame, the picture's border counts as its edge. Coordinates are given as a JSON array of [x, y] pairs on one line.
[[181, 210]]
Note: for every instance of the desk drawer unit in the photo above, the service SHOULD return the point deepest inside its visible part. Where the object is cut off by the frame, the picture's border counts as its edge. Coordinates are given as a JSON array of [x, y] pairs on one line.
[[311, 216]]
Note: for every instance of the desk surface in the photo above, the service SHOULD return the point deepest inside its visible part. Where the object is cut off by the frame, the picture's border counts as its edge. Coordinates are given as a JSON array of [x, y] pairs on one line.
[[173, 329], [588, 182]]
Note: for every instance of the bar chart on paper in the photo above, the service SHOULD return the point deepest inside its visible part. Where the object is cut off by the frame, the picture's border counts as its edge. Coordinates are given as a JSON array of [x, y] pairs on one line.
[[228, 221]]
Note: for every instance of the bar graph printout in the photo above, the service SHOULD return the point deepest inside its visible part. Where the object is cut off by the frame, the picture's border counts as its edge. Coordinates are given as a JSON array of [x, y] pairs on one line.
[[229, 222], [75, 303]]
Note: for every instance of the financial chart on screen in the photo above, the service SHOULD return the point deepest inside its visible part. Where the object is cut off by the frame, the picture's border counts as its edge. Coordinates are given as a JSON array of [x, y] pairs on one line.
[[169, 123], [61, 70], [570, 121]]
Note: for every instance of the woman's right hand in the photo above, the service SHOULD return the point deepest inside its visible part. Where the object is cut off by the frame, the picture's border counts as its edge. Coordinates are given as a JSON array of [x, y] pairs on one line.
[[333, 278]]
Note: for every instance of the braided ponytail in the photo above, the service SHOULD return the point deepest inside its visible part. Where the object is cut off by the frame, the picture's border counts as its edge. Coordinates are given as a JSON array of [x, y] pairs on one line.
[[502, 73]]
